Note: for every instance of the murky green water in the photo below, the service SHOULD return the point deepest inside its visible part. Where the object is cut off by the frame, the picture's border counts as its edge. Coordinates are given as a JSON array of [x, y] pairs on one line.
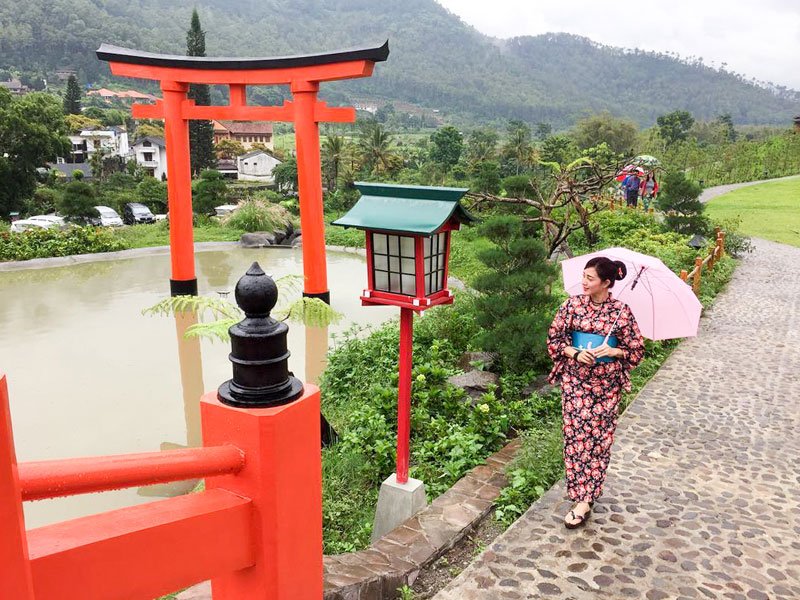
[[89, 375]]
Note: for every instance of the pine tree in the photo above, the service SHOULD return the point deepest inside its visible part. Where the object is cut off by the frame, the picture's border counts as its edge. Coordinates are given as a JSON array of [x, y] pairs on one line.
[[72, 97], [515, 305], [680, 201], [201, 133]]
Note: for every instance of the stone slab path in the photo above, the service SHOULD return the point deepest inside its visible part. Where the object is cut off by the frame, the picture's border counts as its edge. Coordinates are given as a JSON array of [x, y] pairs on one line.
[[702, 498], [713, 192]]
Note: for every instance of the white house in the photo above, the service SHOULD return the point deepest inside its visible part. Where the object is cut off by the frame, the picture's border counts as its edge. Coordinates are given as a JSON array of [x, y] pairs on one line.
[[151, 154], [113, 140], [256, 166]]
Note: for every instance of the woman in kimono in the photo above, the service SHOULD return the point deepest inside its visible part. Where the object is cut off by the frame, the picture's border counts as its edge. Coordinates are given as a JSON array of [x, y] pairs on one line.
[[592, 378]]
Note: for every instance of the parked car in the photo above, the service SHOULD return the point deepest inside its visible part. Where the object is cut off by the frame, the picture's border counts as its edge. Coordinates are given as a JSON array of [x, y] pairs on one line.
[[108, 217], [37, 222], [134, 213]]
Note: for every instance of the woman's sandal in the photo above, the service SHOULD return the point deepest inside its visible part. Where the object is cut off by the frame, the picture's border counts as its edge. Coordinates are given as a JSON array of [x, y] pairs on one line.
[[581, 518]]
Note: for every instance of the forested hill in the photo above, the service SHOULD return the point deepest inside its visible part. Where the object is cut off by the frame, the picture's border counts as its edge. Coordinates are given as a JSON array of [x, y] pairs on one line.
[[436, 60]]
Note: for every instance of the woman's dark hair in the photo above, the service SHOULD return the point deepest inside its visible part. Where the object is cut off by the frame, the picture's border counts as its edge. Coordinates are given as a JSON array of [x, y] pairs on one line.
[[607, 269]]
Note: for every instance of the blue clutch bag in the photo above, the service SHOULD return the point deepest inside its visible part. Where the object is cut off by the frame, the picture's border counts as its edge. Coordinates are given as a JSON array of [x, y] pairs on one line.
[[587, 341]]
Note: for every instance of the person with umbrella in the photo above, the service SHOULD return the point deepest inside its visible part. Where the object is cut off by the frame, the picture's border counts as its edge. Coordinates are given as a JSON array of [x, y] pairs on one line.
[[594, 342]]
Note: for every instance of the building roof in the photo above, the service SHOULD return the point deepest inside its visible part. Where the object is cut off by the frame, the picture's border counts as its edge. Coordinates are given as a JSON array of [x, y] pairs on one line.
[[156, 141], [69, 168], [226, 164], [405, 208], [13, 84], [244, 127], [253, 153]]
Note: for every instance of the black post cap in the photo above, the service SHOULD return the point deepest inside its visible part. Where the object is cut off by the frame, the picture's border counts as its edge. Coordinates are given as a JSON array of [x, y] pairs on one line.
[[259, 354]]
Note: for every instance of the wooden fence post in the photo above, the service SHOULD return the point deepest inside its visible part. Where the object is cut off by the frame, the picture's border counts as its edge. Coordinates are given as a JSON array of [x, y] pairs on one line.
[[684, 275], [698, 270]]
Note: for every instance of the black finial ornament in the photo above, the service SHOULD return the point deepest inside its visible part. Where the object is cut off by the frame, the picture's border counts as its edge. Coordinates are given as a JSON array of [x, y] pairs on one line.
[[261, 376]]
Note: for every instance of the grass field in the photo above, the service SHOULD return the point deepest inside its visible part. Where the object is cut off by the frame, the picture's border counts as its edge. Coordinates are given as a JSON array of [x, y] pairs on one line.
[[770, 211]]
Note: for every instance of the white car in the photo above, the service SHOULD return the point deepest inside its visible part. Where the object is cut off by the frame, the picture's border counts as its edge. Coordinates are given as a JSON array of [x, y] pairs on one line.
[[108, 217], [37, 222]]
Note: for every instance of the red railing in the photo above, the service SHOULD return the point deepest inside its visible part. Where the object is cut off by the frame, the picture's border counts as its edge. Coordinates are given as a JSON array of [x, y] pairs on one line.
[[256, 531]]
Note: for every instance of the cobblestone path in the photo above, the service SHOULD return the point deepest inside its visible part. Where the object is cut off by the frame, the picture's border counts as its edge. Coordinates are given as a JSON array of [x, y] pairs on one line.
[[702, 498]]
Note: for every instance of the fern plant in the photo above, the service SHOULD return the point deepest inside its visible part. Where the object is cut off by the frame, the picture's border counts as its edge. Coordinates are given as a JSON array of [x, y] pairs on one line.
[[217, 315]]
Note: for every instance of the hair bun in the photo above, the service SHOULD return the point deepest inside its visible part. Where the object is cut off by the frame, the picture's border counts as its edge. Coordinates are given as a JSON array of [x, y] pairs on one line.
[[622, 270]]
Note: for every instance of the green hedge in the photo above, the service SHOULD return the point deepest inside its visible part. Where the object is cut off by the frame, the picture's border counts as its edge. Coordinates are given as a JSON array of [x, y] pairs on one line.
[[44, 243]]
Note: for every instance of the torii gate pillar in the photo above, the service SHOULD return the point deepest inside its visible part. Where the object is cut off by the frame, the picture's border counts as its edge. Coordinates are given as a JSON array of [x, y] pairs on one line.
[[303, 74]]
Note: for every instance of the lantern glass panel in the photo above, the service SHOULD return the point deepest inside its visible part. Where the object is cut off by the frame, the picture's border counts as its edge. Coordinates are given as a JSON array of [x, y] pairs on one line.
[[407, 247], [427, 246], [409, 285], [435, 265], [393, 263]]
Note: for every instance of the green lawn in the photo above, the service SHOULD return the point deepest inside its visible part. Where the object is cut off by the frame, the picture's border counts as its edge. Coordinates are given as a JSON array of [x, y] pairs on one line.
[[770, 211], [144, 236]]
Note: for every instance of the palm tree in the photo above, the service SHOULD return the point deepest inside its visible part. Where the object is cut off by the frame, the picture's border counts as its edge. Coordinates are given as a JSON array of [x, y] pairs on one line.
[[332, 155], [377, 151]]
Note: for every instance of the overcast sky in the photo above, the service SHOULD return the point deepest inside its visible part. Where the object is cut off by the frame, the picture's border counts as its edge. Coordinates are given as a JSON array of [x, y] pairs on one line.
[[756, 38]]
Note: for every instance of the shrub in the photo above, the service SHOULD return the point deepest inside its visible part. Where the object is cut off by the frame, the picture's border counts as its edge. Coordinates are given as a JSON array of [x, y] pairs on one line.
[[152, 193], [78, 201], [256, 215], [209, 192], [43, 243], [680, 202], [44, 201], [515, 306]]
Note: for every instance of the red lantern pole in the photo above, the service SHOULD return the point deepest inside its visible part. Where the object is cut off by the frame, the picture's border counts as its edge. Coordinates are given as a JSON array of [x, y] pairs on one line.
[[404, 394]]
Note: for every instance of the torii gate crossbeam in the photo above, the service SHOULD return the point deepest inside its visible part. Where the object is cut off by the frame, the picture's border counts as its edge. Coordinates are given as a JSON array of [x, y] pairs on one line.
[[303, 74]]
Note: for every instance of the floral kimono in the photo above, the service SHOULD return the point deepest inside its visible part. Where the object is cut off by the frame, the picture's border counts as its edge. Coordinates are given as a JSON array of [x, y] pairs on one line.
[[590, 394]]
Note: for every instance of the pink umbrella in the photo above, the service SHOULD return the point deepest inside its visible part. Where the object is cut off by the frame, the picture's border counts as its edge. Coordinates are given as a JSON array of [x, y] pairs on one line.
[[664, 306], [627, 170]]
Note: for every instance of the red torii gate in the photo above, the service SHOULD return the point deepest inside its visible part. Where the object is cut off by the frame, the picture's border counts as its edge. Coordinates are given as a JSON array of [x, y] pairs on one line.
[[303, 74]]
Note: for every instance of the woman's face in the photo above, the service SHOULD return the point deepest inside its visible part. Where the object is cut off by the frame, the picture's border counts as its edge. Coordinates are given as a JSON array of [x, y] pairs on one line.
[[592, 284]]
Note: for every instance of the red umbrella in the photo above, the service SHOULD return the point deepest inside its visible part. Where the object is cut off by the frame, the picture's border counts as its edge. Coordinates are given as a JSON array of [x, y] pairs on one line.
[[627, 170]]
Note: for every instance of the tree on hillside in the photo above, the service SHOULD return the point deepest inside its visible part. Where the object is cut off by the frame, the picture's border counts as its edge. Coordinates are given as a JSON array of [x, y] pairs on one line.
[[725, 121], [77, 123], [518, 150], [558, 149], [32, 132], [447, 145], [332, 155], [229, 148], [378, 154], [482, 145], [72, 97], [201, 133], [543, 130], [674, 127], [619, 134]]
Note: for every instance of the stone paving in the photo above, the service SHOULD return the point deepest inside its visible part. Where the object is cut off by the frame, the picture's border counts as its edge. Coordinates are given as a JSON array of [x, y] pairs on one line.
[[702, 498]]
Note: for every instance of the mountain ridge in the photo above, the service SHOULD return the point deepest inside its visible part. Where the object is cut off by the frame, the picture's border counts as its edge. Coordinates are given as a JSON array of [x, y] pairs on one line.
[[436, 59]]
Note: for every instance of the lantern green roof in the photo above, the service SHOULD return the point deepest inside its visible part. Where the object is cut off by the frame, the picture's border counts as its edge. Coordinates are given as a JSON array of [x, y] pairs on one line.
[[405, 208]]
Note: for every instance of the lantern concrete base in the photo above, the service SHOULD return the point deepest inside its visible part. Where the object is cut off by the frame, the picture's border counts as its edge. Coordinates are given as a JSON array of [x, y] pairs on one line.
[[397, 502]]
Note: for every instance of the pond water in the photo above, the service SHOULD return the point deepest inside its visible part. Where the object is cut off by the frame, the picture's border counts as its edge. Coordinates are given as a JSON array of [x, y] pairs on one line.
[[88, 374]]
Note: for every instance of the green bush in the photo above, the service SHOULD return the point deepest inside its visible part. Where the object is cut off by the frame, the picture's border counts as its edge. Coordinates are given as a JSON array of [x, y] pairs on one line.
[[78, 201], [449, 433], [44, 243], [256, 215]]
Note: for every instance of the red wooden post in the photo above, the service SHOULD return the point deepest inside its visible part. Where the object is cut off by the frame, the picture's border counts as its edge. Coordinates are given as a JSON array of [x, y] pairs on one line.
[[309, 180], [15, 572], [179, 189], [283, 477], [404, 394]]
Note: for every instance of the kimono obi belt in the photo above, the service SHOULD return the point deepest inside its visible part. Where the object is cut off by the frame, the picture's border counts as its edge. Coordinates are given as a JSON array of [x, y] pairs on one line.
[[587, 341]]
